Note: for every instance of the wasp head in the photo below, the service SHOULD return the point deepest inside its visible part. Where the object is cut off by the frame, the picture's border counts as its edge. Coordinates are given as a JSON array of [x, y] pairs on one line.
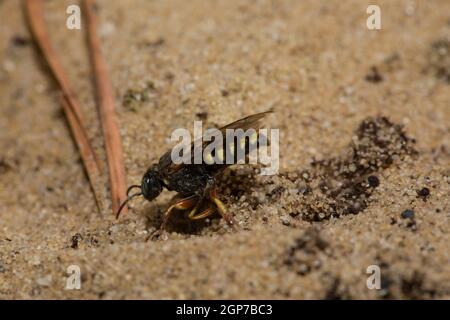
[[151, 185]]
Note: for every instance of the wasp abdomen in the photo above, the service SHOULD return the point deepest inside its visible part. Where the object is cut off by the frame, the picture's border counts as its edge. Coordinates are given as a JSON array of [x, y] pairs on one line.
[[234, 148]]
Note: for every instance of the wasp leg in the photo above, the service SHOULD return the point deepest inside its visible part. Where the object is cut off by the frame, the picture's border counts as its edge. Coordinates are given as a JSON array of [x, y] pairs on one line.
[[221, 208], [201, 215], [182, 204]]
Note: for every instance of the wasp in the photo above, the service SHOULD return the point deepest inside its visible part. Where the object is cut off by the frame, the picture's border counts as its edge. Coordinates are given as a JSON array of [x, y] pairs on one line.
[[196, 183]]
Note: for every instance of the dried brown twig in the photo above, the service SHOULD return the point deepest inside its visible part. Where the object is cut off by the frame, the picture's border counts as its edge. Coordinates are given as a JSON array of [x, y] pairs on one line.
[[108, 115], [70, 103]]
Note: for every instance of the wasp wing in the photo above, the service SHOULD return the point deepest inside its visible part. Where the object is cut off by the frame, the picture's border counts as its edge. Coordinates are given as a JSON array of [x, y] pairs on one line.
[[254, 121]]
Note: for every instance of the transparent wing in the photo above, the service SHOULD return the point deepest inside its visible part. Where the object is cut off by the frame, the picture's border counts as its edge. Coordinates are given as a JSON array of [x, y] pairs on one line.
[[250, 122]]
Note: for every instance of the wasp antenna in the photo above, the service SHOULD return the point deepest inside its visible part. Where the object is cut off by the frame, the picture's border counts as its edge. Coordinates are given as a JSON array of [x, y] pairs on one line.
[[132, 187], [126, 201]]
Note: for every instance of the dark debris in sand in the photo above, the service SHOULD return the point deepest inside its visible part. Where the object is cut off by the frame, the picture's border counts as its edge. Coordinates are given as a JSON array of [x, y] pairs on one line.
[[439, 59], [337, 186]]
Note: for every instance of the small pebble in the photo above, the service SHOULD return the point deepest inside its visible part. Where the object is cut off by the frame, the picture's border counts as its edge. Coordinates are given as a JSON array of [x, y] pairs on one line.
[[285, 220], [44, 281], [35, 261], [114, 228], [423, 193], [407, 214], [374, 76], [19, 41], [202, 115], [76, 240], [373, 181]]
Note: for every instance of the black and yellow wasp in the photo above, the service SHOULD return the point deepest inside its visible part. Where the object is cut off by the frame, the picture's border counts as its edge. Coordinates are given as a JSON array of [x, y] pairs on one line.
[[196, 183]]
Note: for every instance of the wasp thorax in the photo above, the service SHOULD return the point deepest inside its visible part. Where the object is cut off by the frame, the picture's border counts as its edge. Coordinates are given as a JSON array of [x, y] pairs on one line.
[[151, 185]]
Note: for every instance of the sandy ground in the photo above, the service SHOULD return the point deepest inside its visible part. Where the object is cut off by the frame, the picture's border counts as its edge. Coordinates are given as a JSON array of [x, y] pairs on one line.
[[347, 174]]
